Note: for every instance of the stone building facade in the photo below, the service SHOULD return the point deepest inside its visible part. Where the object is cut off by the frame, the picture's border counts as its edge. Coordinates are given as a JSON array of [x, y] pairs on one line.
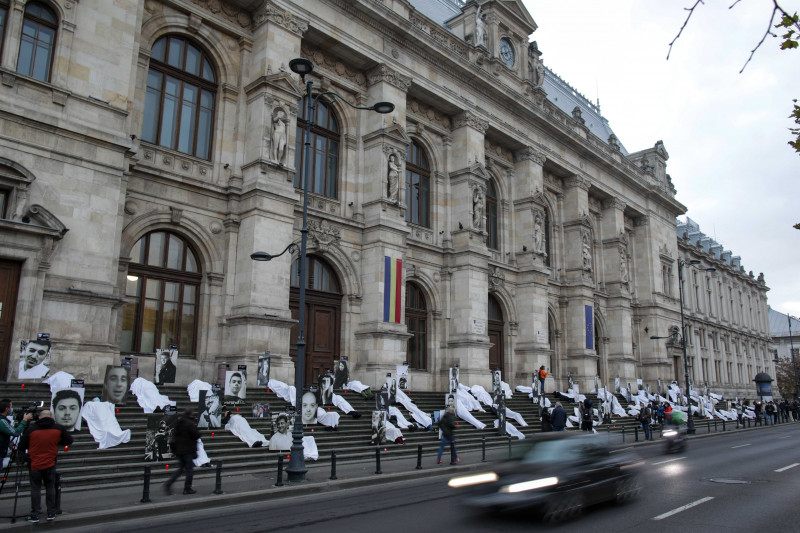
[[150, 146]]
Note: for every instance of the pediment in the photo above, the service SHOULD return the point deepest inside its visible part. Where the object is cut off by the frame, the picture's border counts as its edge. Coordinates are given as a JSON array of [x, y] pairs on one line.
[[39, 216], [394, 132], [517, 8], [281, 83]]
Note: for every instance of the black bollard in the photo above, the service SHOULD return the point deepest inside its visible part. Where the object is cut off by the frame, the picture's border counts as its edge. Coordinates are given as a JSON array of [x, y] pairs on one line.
[[715, 426], [509, 447], [636, 434], [333, 465], [723, 426], [483, 449], [419, 457], [708, 427], [218, 486], [146, 490], [279, 482], [623, 434], [378, 460]]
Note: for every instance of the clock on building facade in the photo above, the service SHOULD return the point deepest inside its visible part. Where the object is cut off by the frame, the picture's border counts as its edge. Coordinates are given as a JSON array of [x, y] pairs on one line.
[[507, 54]]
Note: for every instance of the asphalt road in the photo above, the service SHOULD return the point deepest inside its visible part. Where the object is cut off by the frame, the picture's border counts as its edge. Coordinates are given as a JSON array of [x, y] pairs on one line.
[[743, 482]]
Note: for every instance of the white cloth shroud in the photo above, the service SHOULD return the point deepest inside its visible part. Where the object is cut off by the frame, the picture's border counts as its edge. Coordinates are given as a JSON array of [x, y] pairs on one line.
[[60, 380], [103, 424], [148, 396], [327, 418], [481, 394], [342, 404], [401, 420], [465, 415], [202, 456], [467, 400], [516, 416], [310, 448], [356, 386], [510, 430], [506, 389], [420, 417], [287, 392], [194, 389], [241, 428], [392, 433]]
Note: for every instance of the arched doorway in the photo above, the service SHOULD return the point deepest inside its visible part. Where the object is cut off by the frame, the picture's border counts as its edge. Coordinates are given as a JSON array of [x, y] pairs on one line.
[[598, 337], [495, 329], [322, 316]]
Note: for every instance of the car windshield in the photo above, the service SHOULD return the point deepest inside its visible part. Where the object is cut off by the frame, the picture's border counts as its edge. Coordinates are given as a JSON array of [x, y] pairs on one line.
[[562, 451]]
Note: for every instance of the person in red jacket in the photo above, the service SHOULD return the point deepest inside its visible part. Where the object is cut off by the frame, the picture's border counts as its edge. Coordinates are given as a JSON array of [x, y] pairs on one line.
[[39, 445]]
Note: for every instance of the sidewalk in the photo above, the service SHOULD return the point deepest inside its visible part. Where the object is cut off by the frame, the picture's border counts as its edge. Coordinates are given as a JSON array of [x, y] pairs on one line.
[[114, 504]]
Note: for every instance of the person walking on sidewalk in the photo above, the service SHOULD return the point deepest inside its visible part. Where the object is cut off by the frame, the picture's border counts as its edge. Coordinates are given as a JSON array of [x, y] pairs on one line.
[[559, 417], [185, 448], [644, 418], [39, 446], [447, 425]]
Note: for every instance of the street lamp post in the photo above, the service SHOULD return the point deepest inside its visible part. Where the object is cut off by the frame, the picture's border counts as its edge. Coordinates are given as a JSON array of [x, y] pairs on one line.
[[296, 471], [681, 263], [794, 361]]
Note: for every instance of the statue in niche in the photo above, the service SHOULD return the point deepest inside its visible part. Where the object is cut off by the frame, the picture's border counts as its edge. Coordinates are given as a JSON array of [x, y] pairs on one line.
[[279, 122], [480, 28], [393, 178], [535, 65], [477, 208], [623, 265], [538, 234], [587, 254]]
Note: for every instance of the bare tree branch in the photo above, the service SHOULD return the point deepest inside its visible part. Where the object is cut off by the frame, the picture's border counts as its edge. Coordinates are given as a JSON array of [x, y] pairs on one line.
[[685, 22], [763, 37]]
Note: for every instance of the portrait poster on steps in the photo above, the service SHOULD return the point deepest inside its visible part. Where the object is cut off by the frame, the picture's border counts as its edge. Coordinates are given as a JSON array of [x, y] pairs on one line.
[[34, 358], [402, 377], [209, 409], [159, 433], [341, 372], [262, 380]]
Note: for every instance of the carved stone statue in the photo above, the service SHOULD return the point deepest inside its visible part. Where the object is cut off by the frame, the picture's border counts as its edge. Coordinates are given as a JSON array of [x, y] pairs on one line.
[[623, 265], [279, 122], [535, 66], [538, 235], [393, 177], [478, 209], [480, 28], [587, 254]]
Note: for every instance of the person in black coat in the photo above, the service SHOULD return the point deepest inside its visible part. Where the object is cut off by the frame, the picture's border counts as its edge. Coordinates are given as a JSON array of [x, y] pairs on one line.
[[184, 446], [558, 417]]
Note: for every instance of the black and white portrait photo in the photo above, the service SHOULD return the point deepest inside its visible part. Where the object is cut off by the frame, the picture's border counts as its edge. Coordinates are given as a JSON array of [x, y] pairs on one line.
[[65, 405], [382, 399], [209, 410], [341, 373], [281, 438], [325, 389], [262, 379], [166, 365], [402, 377], [235, 385], [497, 385], [261, 410], [308, 410], [391, 389], [158, 436], [378, 427], [34, 359], [451, 400], [454, 376], [115, 385]]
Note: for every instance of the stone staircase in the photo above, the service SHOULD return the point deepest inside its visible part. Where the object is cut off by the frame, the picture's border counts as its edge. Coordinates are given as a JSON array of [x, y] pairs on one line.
[[84, 466]]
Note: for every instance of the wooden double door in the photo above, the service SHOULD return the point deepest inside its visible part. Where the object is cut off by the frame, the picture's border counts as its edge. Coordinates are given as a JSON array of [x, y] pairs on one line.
[[9, 287]]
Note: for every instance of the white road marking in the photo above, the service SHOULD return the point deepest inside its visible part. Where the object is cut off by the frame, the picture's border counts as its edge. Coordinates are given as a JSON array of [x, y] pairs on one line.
[[683, 508], [740, 446], [786, 436], [669, 460], [787, 467]]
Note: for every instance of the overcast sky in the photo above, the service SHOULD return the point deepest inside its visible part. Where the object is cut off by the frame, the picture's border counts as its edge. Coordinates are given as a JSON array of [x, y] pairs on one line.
[[725, 132]]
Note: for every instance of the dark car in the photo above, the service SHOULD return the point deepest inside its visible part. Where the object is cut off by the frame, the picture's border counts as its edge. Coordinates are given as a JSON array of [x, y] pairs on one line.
[[557, 475]]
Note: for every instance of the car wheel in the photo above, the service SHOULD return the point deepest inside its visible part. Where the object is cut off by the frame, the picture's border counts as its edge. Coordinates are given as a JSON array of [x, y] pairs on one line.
[[563, 507], [627, 489]]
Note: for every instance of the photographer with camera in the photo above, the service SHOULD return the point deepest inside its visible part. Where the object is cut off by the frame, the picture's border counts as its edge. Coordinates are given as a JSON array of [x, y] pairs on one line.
[[39, 446], [7, 428]]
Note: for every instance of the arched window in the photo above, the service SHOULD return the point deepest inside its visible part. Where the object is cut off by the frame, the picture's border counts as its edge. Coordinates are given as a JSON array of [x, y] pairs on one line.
[[417, 324], [320, 276], [418, 185], [324, 140], [3, 22], [38, 40], [181, 90], [161, 295], [493, 240]]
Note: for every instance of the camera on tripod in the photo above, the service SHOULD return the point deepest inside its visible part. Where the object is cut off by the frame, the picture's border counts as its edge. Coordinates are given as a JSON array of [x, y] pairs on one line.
[[32, 408]]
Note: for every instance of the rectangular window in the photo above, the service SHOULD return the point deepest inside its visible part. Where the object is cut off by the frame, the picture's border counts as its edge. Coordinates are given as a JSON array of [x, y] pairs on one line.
[[3, 16], [169, 117], [152, 106], [188, 110]]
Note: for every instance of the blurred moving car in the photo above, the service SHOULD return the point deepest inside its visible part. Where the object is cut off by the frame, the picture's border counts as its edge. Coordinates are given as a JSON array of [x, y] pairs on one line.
[[557, 475]]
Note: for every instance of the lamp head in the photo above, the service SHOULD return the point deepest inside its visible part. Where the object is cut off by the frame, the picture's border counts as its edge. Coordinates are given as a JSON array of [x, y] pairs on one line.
[[261, 256], [694, 261], [383, 107], [301, 65]]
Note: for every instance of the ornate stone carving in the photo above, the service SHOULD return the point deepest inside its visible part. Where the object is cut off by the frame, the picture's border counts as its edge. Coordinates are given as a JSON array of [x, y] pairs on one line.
[[586, 254], [478, 207], [175, 215], [323, 233], [497, 279], [539, 237], [333, 65], [529, 153], [535, 65], [578, 181], [382, 73], [613, 142], [226, 11], [278, 138], [498, 150], [469, 119], [623, 264], [615, 203], [282, 18], [393, 174]]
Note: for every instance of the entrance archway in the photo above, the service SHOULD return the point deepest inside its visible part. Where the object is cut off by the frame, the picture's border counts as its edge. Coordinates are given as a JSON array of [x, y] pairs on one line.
[[322, 317], [495, 329]]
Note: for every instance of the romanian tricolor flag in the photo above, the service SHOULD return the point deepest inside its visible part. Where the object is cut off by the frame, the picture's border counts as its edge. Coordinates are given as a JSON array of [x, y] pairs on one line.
[[391, 289]]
